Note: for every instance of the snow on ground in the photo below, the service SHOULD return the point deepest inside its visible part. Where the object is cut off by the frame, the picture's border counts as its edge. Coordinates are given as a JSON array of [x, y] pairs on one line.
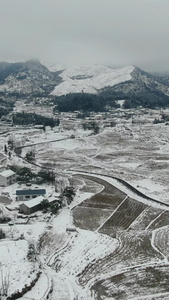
[[147, 186], [40, 290], [85, 248], [90, 79], [132, 156], [138, 154], [31, 232], [16, 270]]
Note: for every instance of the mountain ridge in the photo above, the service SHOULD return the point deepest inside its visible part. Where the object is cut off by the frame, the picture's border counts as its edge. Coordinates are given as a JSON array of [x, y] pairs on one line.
[[135, 86]]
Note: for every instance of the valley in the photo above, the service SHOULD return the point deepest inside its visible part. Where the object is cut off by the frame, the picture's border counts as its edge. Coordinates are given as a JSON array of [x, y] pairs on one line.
[[111, 241]]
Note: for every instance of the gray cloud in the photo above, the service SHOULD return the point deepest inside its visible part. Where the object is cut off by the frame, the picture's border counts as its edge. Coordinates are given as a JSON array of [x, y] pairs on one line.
[[112, 32]]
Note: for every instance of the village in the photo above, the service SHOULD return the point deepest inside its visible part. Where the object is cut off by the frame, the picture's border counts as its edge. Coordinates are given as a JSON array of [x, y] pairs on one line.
[[53, 221], [27, 198]]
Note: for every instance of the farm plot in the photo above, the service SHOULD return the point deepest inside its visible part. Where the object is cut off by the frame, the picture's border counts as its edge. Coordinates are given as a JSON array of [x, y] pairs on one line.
[[161, 240], [123, 217], [148, 281], [145, 219], [82, 249], [134, 249], [161, 221], [89, 218], [93, 212], [103, 200]]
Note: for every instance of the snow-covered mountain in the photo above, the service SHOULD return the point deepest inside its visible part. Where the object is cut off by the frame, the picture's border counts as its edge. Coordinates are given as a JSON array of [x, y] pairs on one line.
[[31, 78], [25, 78]]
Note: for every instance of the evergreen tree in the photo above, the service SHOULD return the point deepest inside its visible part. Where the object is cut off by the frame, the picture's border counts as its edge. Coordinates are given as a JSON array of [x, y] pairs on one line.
[[5, 149]]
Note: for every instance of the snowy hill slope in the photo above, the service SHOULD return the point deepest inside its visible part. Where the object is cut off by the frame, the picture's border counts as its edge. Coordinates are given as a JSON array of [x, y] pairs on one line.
[[27, 78], [90, 79]]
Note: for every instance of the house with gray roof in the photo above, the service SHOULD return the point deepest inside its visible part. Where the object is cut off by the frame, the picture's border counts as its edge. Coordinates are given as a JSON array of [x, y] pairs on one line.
[[28, 194], [31, 206]]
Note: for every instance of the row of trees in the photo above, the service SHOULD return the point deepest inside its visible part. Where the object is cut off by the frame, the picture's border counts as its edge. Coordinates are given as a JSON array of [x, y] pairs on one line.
[[33, 119], [146, 99]]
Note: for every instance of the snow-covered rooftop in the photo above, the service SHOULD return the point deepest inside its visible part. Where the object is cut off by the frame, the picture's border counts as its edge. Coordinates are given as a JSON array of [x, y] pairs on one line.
[[33, 202], [7, 173]]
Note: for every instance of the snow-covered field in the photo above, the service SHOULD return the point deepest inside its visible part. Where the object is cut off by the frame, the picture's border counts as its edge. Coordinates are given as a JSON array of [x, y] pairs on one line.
[[93, 264]]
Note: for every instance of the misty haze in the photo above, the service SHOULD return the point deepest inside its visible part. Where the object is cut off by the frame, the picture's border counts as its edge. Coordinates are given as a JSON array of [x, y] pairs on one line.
[[84, 150]]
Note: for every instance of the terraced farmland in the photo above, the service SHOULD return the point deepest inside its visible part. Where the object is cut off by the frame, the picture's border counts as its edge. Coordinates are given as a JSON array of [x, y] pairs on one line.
[[89, 218], [132, 250], [97, 209], [123, 217], [139, 264], [147, 281], [146, 218], [161, 221], [161, 240]]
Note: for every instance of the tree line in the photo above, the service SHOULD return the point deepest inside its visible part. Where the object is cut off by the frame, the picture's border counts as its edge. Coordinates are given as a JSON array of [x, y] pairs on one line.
[[83, 102], [108, 99], [22, 118]]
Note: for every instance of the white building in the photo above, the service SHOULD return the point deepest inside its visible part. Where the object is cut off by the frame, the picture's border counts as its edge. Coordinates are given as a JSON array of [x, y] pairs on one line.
[[7, 177]]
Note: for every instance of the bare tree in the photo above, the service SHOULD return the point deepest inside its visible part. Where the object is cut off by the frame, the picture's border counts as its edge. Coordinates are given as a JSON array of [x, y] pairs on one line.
[[11, 142]]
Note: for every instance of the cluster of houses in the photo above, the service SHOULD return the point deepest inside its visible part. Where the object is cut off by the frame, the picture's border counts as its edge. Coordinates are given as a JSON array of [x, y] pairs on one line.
[[31, 198]]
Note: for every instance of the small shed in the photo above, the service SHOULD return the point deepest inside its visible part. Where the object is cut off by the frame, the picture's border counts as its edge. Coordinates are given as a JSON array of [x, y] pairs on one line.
[[29, 194], [7, 177], [31, 206]]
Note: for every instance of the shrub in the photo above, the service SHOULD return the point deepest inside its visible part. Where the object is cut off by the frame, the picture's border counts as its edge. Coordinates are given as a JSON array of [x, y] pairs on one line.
[[2, 234]]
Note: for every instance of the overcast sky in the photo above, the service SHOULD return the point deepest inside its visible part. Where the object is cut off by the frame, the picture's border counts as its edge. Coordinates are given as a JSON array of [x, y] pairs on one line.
[[111, 32]]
